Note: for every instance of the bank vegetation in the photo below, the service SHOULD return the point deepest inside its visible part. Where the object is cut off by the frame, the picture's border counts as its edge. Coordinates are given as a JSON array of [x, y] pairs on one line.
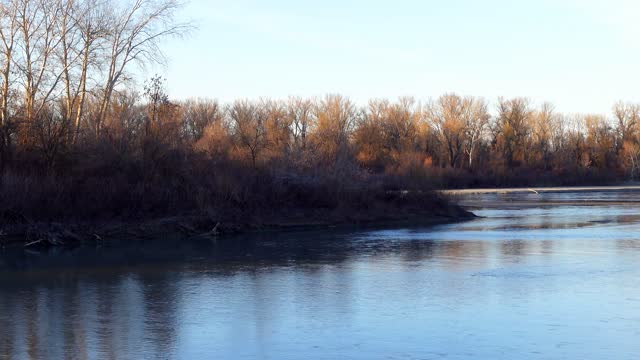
[[77, 141]]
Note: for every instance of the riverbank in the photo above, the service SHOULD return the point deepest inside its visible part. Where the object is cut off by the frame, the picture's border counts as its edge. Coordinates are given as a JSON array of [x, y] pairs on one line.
[[547, 197], [557, 189], [403, 209]]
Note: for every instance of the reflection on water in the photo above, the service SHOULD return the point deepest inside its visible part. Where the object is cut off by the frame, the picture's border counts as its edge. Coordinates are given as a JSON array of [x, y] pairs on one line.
[[532, 282]]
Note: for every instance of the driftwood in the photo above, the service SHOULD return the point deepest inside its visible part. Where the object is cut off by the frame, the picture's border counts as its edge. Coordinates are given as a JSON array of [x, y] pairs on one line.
[[53, 235], [213, 233], [34, 243], [49, 239], [43, 235]]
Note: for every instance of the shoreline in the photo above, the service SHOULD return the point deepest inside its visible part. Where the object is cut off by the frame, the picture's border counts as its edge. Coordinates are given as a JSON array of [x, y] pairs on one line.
[[552, 189], [34, 235], [17, 231]]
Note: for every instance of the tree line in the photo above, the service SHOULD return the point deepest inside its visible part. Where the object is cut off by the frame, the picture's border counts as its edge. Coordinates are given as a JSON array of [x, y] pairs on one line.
[[452, 140], [450, 137]]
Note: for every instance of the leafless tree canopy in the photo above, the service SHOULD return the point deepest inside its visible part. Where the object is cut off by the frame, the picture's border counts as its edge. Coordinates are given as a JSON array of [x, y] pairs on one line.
[[58, 57]]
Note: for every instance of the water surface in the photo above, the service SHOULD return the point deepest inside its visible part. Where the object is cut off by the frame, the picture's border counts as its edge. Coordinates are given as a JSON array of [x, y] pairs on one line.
[[529, 280]]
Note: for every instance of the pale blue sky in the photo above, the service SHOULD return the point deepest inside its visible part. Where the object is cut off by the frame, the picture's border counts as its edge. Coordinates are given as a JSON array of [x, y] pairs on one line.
[[582, 55]]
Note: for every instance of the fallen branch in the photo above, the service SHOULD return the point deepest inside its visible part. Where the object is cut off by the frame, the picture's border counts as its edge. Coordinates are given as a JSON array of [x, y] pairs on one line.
[[213, 233], [33, 243]]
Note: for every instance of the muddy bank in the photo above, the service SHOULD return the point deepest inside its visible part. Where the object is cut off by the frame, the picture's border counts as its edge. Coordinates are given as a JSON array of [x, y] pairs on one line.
[[19, 231]]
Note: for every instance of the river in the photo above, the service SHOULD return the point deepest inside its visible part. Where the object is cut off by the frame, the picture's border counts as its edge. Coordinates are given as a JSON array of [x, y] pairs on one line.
[[538, 276]]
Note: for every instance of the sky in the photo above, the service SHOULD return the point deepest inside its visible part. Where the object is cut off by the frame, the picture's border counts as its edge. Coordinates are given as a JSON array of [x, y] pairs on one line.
[[580, 55]]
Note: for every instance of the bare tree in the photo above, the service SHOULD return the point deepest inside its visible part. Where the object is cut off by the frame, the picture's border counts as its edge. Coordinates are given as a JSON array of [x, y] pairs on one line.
[[627, 116], [248, 121], [336, 119], [197, 115], [449, 117], [369, 137], [278, 128], [400, 126], [9, 27], [40, 38], [600, 140], [8, 32], [136, 32], [302, 121], [68, 33], [87, 30], [512, 129], [631, 151], [476, 119], [542, 125]]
